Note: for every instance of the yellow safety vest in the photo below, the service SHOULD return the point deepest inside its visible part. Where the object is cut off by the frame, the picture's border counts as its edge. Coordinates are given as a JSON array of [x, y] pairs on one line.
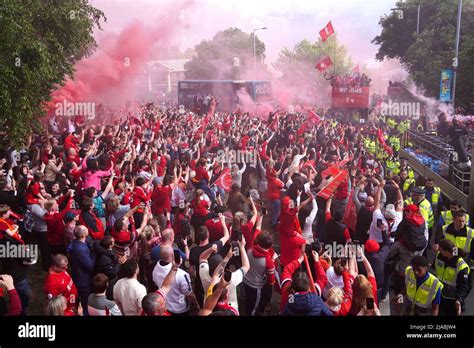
[[392, 166], [435, 195], [461, 242], [394, 142], [424, 295], [391, 123], [407, 183], [448, 275], [425, 210], [448, 217], [371, 147]]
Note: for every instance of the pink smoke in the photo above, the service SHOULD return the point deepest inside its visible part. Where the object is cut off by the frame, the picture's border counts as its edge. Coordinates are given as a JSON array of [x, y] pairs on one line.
[[108, 75]]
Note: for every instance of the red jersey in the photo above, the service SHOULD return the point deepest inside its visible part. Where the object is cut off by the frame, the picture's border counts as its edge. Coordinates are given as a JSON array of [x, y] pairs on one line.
[[161, 200], [71, 141], [139, 195], [61, 284], [32, 193], [199, 207]]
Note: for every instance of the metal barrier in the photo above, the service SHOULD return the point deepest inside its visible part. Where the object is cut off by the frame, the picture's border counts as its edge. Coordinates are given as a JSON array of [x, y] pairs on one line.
[[457, 184]]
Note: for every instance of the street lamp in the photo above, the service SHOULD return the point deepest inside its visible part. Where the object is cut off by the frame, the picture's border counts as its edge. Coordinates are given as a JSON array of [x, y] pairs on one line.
[[254, 54], [417, 17]]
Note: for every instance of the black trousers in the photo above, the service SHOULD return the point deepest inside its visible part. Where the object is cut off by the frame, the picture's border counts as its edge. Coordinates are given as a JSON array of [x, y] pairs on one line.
[[43, 246], [257, 299]]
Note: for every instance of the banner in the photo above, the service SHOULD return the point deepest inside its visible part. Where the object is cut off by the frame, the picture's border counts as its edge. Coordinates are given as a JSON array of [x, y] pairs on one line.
[[445, 86], [329, 189], [323, 64], [350, 97]]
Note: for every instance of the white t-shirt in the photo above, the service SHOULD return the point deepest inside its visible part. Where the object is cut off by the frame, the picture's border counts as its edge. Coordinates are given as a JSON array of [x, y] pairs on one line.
[[237, 278], [180, 288], [128, 294], [375, 232]]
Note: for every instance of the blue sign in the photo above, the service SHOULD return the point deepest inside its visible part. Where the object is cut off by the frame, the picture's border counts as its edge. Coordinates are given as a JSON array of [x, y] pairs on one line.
[[445, 87]]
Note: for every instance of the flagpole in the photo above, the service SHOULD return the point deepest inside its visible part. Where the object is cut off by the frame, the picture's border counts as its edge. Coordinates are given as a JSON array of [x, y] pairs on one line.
[[334, 72]]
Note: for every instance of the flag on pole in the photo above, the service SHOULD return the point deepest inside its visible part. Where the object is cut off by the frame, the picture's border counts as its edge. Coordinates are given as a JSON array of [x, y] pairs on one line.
[[356, 69], [324, 64], [350, 214], [313, 117], [224, 181], [326, 32]]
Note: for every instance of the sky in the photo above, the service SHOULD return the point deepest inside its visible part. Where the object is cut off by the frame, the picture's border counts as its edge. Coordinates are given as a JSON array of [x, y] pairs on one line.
[[288, 22]]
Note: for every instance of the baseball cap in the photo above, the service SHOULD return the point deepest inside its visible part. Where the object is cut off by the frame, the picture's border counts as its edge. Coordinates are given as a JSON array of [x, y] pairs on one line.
[[390, 212], [371, 246], [412, 208]]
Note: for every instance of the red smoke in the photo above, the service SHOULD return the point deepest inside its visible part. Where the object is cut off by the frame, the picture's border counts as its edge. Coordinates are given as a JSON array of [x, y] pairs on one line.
[[108, 75]]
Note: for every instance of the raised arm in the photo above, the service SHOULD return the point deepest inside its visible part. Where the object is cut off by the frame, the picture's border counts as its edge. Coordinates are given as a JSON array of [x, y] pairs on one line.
[[226, 236]]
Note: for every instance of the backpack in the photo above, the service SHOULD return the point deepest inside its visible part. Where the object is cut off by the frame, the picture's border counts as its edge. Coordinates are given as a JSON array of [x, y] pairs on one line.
[[412, 237]]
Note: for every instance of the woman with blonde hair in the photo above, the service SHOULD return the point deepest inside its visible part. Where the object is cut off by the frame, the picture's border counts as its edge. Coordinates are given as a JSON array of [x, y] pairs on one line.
[[57, 307], [339, 300], [364, 301]]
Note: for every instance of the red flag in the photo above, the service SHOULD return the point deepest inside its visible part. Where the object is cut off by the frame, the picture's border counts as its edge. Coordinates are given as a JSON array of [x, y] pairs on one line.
[[356, 69], [350, 214], [224, 181], [324, 64], [313, 117], [274, 125], [329, 189], [381, 140], [326, 32]]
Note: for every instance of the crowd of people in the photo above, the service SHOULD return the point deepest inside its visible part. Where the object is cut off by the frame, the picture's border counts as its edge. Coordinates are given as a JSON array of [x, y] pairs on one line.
[[136, 218], [349, 80]]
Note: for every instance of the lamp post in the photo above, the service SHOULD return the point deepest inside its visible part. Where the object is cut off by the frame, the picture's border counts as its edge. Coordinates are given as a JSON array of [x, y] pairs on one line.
[[456, 58], [254, 53]]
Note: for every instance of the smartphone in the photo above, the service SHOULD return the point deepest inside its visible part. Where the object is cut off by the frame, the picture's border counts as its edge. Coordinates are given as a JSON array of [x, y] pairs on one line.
[[264, 211], [227, 275], [379, 223], [370, 303], [177, 257], [248, 194], [239, 235]]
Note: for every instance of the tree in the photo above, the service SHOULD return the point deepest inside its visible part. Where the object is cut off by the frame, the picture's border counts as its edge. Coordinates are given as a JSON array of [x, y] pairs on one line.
[[298, 67], [216, 59], [41, 41], [426, 54]]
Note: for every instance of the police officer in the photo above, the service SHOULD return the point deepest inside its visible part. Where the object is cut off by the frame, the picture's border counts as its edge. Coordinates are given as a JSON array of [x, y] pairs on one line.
[[462, 236], [406, 183], [447, 215], [423, 289], [433, 194], [404, 166], [392, 165], [453, 272]]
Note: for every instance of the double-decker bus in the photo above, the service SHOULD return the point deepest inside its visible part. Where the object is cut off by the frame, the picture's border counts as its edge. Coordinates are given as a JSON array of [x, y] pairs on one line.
[[229, 93]]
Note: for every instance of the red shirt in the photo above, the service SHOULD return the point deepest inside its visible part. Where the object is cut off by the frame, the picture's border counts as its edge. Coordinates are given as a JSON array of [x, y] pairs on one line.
[[201, 174], [200, 207], [139, 195], [55, 223], [61, 284], [247, 232], [32, 193], [71, 141], [290, 247], [161, 200], [274, 189]]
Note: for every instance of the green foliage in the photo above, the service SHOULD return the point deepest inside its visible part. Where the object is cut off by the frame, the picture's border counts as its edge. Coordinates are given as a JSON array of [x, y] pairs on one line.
[[214, 59], [41, 41], [426, 54]]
